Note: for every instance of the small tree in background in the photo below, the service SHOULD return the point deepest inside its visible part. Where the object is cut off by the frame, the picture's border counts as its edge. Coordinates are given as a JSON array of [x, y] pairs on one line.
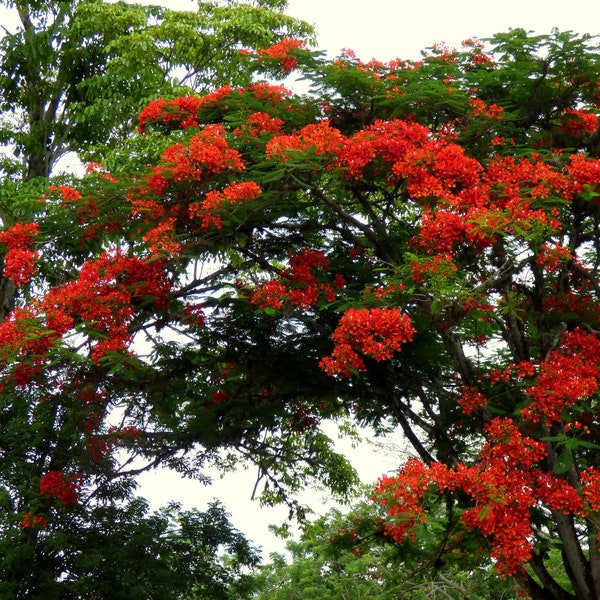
[[347, 556]]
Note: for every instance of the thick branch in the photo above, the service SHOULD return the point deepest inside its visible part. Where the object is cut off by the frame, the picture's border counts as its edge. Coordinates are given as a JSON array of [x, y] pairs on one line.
[[575, 561], [347, 217], [551, 590], [464, 366], [413, 438]]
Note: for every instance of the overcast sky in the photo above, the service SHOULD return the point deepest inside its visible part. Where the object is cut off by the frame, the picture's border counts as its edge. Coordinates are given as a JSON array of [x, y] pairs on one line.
[[386, 29]]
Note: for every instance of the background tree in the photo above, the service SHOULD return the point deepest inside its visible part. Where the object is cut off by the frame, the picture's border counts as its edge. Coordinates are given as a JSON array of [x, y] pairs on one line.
[[122, 551], [345, 556]]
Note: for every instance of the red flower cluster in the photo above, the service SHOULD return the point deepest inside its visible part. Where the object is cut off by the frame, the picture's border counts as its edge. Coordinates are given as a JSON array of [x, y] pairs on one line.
[[105, 296], [271, 294], [98, 448], [504, 486], [91, 402], [513, 180], [19, 260], [282, 52], [56, 484], [124, 435], [88, 213], [163, 205], [204, 154], [567, 375], [219, 201], [220, 397], [590, 480], [180, 112], [583, 171], [403, 494], [381, 145], [186, 111], [25, 341], [320, 138], [518, 371], [472, 400], [580, 303], [478, 57], [265, 92], [481, 109], [66, 192], [303, 270], [477, 208], [188, 169], [302, 419], [377, 333], [161, 239], [557, 493], [193, 315], [259, 123], [577, 122], [304, 284], [31, 521], [441, 265], [431, 167], [553, 256]]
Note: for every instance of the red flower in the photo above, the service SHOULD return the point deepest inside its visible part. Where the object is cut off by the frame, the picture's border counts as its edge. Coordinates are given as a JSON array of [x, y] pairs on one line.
[[472, 400], [258, 123], [19, 265], [205, 154], [217, 200], [576, 122], [56, 484], [377, 333], [320, 138], [66, 192], [31, 521], [98, 448], [282, 52], [270, 294], [481, 109], [19, 260], [590, 479], [567, 375], [180, 112], [105, 298], [303, 285]]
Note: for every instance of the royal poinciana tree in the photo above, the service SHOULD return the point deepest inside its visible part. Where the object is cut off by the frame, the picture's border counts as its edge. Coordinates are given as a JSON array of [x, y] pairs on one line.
[[415, 242], [73, 77]]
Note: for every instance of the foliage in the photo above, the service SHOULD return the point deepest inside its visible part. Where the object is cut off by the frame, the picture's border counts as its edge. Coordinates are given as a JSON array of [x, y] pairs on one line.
[[414, 241], [121, 551], [73, 77]]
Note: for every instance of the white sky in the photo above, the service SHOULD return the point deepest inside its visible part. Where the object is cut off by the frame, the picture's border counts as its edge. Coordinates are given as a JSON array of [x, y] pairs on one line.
[[374, 457], [387, 29]]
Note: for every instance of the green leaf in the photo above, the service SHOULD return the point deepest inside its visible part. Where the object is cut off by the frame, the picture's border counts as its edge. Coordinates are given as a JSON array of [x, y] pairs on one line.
[[564, 461]]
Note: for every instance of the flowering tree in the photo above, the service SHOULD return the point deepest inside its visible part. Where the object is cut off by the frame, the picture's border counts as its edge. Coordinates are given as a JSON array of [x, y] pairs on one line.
[[73, 77], [414, 242]]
